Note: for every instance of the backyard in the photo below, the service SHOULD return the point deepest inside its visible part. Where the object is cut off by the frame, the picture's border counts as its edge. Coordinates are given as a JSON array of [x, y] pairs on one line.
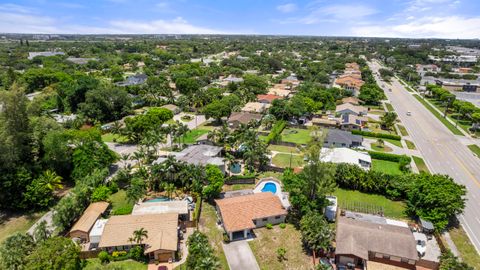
[[393, 209], [283, 148], [284, 160], [386, 166], [191, 136], [94, 264], [120, 204], [208, 226], [269, 240], [296, 135], [11, 224]]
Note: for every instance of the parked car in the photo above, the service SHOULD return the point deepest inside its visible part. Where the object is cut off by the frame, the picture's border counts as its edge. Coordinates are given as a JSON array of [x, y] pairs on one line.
[[409, 113]]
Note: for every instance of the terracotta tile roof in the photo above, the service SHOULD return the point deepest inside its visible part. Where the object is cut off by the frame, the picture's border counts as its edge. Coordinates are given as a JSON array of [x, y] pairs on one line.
[[161, 228], [349, 81], [89, 216], [239, 212], [269, 98]]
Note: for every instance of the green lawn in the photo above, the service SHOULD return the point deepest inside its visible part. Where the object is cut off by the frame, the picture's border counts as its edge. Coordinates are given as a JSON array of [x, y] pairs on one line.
[[410, 145], [403, 130], [393, 209], [467, 251], [110, 137], [193, 135], [120, 203], [475, 149], [284, 149], [439, 116], [208, 226], [394, 142], [283, 160], [11, 224], [422, 167], [389, 107], [385, 166], [380, 148], [296, 135], [94, 264]]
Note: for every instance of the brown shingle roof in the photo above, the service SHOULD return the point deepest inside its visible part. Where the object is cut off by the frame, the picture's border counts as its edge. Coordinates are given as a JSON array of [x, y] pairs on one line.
[[244, 117], [359, 237], [239, 212], [90, 215], [161, 228]]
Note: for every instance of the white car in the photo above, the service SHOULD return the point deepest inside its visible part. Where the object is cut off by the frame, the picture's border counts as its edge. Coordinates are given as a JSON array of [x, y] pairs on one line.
[[409, 113], [421, 240]]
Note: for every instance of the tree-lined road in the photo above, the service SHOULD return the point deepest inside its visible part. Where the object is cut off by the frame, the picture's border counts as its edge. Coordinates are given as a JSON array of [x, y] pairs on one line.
[[443, 152]]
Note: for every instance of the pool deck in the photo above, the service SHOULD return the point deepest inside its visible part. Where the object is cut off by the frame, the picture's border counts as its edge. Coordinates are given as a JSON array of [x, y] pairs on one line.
[[283, 196]]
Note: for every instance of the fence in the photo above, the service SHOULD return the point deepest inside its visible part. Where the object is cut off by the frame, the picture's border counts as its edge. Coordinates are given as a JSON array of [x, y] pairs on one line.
[[240, 181], [362, 207]]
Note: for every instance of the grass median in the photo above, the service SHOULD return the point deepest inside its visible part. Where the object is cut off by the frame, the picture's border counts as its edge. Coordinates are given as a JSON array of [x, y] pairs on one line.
[[440, 117], [475, 149], [422, 167]]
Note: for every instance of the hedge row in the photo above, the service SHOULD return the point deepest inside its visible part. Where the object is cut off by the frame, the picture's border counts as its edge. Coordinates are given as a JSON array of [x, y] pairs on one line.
[[388, 157], [377, 135], [276, 131]]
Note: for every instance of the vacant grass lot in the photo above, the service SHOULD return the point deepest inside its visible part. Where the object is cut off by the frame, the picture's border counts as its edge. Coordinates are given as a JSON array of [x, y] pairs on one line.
[[191, 136], [467, 251], [393, 209], [475, 149], [296, 135], [445, 122], [283, 160], [268, 241], [120, 203], [10, 224], [95, 264], [385, 166], [284, 149], [208, 226], [422, 167]]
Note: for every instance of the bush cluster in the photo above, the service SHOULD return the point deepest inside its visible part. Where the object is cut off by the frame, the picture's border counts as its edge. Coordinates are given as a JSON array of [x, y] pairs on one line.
[[377, 135]]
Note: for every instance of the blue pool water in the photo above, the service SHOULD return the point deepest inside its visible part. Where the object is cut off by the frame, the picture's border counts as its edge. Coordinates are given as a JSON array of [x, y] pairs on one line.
[[270, 187], [236, 168], [159, 199]]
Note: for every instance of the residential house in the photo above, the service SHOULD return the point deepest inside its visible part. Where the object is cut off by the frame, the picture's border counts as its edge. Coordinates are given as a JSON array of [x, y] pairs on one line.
[[291, 80], [238, 118], [352, 122], [160, 244], [200, 154], [134, 80], [241, 214], [325, 122], [80, 60], [267, 98], [351, 100], [255, 107], [32, 55], [349, 82], [341, 138], [173, 108], [282, 92], [427, 68], [346, 155], [370, 244], [81, 228], [348, 108]]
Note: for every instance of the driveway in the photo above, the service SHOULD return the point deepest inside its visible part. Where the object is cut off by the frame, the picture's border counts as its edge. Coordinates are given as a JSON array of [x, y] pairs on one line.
[[240, 256], [198, 120]]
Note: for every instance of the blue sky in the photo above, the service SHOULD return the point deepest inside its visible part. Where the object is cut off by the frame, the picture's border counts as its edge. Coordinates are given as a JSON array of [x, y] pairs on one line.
[[385, 18]]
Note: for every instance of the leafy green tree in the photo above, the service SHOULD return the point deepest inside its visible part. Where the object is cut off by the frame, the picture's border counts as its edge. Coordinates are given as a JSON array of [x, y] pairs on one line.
[[448, 261], [388, 120], [101, 193], [15, 249], [215, 179], [316, 232], [436, 198], [41, 232], [136, 190], [55, 253], [217, 110], [371, 94], [256, 84], [106, 104], [187, 86], [38, 194], [200, 253]]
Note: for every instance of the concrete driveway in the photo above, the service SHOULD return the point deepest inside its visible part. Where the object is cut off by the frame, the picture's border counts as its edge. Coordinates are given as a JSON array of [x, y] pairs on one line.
[[197, 120], [240, 256]]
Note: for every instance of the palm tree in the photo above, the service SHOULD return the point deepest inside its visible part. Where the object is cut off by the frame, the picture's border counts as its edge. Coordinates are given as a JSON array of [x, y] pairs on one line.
[[125, 157], [139, 235], [169, 189], [209, 263], [381, 143], [51, 180]]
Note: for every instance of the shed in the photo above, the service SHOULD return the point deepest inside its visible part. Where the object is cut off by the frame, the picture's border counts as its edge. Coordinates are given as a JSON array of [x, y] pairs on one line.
[[82, 227], [427, 226]]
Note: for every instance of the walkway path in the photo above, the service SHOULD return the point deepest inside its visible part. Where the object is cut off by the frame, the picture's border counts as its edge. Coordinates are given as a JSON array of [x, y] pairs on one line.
[[240, 256]]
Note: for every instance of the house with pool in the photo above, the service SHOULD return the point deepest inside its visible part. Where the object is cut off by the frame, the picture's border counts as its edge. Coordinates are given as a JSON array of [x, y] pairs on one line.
[[241, 213]]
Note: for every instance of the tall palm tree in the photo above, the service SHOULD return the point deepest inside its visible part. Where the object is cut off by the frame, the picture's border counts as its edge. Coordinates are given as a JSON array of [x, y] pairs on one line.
[[139, 235], [51, 180], [125, 157], [169, 189]]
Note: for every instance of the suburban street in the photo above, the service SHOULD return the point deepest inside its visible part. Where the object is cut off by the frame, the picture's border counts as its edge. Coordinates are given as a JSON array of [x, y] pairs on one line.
[[443, 152]]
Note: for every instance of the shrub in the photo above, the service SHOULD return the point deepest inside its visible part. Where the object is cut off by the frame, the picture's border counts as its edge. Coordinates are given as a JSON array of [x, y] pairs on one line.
[[126, 210], [226, 239], [116, 254], [281, 252], [269, 226], [389, 157], [377, 135], [276, 131], [136, 253], [104, 257], [283, 226], [101, 193]]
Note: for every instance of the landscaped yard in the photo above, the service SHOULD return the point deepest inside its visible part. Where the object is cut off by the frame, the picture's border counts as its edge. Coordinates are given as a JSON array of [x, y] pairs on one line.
[[465, 247], [380, 148], [403, 130], [237, 187], [283, 148], [420, 164], [475, 149], [410, 145], [439, 116], [94, 264], [296, 135], [393, 209], [120, 204], [11, 224], [208, 226], [375, 127], [287, 160], [268, 241], [110, 137], [385, 166], [193, 135]]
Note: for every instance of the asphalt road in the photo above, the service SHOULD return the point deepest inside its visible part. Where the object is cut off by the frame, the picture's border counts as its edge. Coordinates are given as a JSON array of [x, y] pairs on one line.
[[443, 152]]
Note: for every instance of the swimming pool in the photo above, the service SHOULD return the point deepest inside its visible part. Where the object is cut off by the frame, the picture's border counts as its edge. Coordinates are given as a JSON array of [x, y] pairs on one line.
[[270, 187], [159, 199], [236, 168]]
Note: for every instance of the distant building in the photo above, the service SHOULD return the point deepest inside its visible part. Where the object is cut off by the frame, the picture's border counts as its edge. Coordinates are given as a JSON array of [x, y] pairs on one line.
[[32, 55], [349, 108], [255, 107], [459, 85], [80, 61], [352, 122], [134, 80], [201, 154], [238, 118], [267, 98]]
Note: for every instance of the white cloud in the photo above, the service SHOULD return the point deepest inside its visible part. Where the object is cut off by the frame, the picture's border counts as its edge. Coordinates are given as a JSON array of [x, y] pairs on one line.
[[425, 27], [287, 8], [346, 12]]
